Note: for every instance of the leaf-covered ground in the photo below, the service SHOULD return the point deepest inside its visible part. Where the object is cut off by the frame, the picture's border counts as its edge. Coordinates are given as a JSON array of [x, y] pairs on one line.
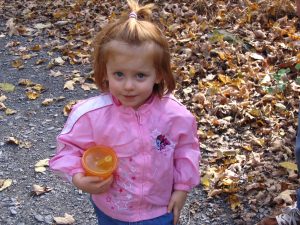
[[237, 64]]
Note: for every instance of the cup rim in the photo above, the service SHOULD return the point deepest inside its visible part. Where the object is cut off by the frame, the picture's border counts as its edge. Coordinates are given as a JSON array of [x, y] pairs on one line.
[[104, 148]]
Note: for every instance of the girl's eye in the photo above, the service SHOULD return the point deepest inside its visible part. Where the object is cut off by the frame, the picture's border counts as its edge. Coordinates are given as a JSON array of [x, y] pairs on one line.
[[118, 74], [140, 76]]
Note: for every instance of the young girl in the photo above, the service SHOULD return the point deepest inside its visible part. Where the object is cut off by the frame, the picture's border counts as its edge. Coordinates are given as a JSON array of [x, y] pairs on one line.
[[153, 135]]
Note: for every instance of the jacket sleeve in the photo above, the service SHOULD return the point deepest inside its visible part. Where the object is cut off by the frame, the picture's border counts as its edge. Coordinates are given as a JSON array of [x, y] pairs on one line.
[[76, 136], [186, 157]]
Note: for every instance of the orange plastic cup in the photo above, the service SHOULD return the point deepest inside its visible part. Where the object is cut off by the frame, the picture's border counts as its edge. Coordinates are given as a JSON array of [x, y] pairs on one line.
[[99, 161]]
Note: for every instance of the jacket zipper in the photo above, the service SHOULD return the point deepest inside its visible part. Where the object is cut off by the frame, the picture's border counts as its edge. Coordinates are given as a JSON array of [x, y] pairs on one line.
[[138, 117]]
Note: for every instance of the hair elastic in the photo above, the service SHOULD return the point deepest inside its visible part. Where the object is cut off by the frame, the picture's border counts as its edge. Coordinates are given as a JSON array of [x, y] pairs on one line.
[[133, 15]]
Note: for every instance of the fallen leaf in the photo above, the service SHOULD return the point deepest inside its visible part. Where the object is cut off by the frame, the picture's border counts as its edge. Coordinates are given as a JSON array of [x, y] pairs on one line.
[[32, 95], [205, 180], [40, 166], [234, 201], [25, 144], [69, 85], [59, 61], [25, 82], [42, 25], [285, 196], [5, 184], [10, 24], [89, 86], [18, 63], [289, 165], [47, 101], [7, 87], [38, 87], [12, 140], [67, 219], [256, 56], [68, 107], [38, 190], [9, 111], [2, 98], [55, 73]]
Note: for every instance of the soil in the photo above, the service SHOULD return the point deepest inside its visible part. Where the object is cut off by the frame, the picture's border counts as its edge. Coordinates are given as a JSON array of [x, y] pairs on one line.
[[38, 126]]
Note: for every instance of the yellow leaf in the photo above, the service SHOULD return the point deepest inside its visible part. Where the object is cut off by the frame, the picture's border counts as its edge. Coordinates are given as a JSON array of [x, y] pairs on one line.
[[222, 55], [255, 112], [43, 162], [36, 47], [224, 79], [289, 165], [260, 141], [5, 184], [234, 202], [227, 181], [38, 87], [237, 82], [39, 167], [67, 219], [247, 147], [32, 95], [9, 111], [68, 107], [205, 181], [192, 71], [7, 87]]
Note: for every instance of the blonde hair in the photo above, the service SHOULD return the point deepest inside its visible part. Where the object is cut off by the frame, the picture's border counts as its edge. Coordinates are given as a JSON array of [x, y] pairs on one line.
[[135, 31]]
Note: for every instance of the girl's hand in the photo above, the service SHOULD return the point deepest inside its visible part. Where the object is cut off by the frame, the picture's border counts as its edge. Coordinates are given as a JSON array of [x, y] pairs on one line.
[[91, 184], [176, 203]]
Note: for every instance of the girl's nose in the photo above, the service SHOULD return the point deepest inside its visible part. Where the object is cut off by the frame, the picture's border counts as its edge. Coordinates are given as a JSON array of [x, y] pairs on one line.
[[128, 85]]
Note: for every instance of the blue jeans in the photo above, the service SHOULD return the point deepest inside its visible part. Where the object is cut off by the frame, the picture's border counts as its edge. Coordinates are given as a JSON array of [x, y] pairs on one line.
[[103, 219]]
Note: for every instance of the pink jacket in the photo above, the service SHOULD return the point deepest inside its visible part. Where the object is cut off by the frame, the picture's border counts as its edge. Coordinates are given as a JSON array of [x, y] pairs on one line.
[[157, 147]]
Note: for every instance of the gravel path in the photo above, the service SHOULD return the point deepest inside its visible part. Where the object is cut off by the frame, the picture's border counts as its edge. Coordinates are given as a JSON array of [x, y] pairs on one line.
[[39, 125]]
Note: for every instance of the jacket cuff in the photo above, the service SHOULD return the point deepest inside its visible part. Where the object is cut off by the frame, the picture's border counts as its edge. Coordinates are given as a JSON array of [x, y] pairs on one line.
[[182, 187], [73, 172]]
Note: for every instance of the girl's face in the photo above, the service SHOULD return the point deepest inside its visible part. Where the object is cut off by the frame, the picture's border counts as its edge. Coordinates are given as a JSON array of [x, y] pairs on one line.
[[130, 72]]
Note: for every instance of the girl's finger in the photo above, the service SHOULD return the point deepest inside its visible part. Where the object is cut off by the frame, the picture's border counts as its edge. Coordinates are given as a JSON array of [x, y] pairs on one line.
[[170, 206], [176, 215]]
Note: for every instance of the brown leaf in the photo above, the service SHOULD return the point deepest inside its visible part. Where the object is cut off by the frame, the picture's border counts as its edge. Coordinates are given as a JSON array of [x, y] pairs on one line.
[[285, 197]]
